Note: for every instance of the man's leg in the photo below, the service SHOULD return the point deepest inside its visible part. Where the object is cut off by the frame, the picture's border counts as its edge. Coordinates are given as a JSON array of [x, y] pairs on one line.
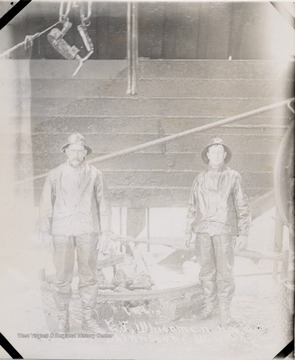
[[224, 255], [63, 257], [207, 276], [87, 258]]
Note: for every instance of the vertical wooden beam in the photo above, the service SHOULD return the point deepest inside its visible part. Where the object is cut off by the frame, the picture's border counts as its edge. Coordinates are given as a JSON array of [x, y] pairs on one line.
[[132, 46], [278, 240]]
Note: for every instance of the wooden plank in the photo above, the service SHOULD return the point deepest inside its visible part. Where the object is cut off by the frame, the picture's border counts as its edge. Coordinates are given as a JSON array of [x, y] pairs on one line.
[[217, 30], [153, 161], [46, 143], [150, 125], [212, 69], [63, 69], [137, 106], [237, 142], [117, 29], [150, 27], [198, 69], [78, 88]]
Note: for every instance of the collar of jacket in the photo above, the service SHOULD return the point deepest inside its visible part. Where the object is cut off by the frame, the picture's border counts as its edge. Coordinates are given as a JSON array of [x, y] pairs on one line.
[[218, 170], [81, 166]]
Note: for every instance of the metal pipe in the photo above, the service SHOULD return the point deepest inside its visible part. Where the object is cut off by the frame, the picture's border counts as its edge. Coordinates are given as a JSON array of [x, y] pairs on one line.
[[27, 42], [173, 137], [196, 130], [132, 46]]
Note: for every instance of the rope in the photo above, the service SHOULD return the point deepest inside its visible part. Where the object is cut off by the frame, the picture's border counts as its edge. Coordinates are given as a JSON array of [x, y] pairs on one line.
[[173, 137], [28, 42]]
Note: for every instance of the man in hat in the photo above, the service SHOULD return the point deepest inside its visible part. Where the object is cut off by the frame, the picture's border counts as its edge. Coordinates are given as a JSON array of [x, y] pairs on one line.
[[219, 216], [75, 211]]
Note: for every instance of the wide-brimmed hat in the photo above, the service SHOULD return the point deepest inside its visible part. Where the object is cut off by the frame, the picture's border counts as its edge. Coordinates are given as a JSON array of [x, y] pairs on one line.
[[216, 141], [77, 139]]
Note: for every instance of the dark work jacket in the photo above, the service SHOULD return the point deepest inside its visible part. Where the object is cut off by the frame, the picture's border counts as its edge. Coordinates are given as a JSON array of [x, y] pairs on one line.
[[218, 204], [75, 201]]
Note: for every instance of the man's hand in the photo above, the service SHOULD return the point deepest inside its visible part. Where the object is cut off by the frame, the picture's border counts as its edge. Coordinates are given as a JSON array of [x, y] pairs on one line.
[[241, 242], [103, 243], [45, 240], [188, 239]]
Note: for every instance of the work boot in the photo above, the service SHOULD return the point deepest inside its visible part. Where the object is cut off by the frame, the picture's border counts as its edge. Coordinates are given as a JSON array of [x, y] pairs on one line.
[[206, 312], [121, 279], [102, 283], [63, 321], [225, 315], [90, 323]]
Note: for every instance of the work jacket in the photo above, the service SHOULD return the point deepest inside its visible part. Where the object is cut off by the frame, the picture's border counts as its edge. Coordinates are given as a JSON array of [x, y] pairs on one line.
[[75, 201], [218, 204]]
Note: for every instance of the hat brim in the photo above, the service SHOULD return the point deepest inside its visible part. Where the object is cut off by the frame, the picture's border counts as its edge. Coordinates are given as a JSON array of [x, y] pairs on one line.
[[226, 148], [89, 150]]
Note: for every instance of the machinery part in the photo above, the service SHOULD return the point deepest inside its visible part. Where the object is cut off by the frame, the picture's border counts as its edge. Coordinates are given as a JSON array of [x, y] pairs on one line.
[[55, 38], [284, 178], [85, 37], [134, 295], [64, 15], [27, 43], [85, 20], [285, 311]]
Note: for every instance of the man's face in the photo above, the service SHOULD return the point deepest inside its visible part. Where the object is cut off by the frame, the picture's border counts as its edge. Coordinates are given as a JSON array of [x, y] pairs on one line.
[[216, 155], [76, 154]]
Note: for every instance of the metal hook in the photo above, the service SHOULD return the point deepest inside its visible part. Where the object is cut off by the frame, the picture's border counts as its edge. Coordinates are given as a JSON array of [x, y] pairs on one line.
[[81, 62], [64, 16], [85, 20]]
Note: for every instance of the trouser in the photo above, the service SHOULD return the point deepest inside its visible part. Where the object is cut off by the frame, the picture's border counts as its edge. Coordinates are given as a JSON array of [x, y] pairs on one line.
[[64, 259], [216, 257]]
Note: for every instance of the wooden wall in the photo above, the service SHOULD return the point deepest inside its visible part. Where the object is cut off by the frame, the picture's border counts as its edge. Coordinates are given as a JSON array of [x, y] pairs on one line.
[[206, 30]]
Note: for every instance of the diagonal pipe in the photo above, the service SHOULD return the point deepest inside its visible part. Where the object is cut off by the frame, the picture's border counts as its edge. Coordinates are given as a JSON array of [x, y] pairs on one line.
[[177, 136]]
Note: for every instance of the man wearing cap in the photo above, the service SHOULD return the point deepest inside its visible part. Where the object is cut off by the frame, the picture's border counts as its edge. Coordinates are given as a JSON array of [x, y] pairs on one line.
[[75, 211], [219, 216]]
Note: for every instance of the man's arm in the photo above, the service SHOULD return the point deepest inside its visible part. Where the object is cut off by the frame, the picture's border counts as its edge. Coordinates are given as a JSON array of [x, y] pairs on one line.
[[191, 215], [241, 206], [45, 214], [103, 203], [243, 213], [104, 213], [46, 207]]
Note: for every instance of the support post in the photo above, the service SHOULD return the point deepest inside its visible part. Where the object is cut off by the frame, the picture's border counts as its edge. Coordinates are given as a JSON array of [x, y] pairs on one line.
[[132, 46]]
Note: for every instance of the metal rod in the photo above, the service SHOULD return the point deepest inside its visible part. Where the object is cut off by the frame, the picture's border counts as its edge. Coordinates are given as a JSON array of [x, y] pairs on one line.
[[196, 130], [129, 48], [134, 52], [169, 138], [27, 40], [132, 46]]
